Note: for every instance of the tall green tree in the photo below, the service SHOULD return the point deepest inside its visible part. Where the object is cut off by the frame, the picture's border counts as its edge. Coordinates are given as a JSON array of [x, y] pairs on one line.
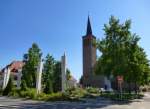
[[113, 48], [138, 66], [68, 74], [57, 77], [48, 72], [31, 59], [121, 54]]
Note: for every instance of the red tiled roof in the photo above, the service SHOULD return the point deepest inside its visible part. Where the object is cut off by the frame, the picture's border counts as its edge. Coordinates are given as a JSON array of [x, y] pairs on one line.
[[16, 65]]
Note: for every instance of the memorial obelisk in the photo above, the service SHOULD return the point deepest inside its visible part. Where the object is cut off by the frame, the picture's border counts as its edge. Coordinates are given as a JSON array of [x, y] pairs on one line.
[[6, 77], [39, 77], [63, 72]]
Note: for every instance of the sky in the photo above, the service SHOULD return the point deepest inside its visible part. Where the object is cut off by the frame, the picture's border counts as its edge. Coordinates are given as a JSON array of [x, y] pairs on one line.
[[57, 26]]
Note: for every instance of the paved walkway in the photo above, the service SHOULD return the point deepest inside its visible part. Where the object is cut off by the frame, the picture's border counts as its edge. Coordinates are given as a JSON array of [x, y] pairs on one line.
[[99, 103]]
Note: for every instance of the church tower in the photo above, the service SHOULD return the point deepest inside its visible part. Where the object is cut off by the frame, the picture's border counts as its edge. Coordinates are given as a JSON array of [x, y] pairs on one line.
[[89, 54], [89, 60]]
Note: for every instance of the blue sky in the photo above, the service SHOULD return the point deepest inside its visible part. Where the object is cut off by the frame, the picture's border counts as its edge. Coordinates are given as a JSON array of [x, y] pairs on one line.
[[58, 26]]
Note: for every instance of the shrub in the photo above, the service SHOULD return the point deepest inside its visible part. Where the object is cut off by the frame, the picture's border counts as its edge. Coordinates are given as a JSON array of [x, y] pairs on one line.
[[14, 92], [29, 93], [72, 94], [56, 96], [42, 96], [124, 96], [48, 87], [23, 85], [53, 97], [75, 93], [95, 91]]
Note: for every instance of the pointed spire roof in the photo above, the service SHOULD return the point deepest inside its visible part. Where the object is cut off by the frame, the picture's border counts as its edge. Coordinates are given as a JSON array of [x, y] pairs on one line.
[[89, 29]]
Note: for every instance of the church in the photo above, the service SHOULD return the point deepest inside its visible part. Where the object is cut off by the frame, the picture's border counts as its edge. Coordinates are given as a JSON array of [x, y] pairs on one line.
[[89, 79]]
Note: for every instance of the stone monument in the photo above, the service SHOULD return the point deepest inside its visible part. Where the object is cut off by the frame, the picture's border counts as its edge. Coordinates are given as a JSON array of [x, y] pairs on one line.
[[6, 77], [63, 72], [38, 77]]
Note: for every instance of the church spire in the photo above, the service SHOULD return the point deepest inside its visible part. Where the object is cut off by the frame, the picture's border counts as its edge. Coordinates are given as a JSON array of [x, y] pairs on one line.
[[89, 29]]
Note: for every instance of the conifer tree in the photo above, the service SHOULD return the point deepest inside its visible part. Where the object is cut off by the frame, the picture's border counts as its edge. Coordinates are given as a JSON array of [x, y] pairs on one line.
[[31, 59], [57, 77], [68, 74], [48, 72]]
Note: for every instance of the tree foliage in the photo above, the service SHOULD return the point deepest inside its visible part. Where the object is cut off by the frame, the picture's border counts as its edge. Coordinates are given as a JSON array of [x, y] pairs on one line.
[[57, 77], [121, 53], [31, 59], [51, 77], [48, 72], [68, 74], [23, 85]]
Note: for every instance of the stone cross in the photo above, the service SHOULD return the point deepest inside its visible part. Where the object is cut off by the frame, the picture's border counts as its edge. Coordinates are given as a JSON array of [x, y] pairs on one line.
[[6, 77], [63, 72], [38, 78]]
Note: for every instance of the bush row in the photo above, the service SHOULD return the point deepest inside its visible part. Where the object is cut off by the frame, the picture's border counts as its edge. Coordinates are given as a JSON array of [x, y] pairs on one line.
[[123, 96], [73, 94]]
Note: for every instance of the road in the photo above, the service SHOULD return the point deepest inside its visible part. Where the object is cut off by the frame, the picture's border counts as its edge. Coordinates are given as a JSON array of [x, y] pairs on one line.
[[99, 103]]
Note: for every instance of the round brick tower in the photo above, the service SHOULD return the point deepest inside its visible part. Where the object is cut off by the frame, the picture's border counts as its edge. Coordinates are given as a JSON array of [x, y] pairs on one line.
[[89, 60]]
